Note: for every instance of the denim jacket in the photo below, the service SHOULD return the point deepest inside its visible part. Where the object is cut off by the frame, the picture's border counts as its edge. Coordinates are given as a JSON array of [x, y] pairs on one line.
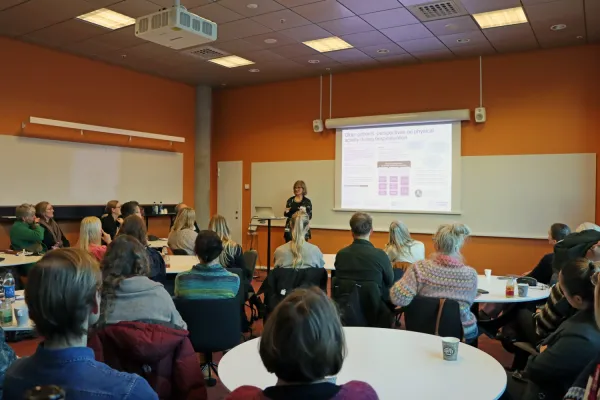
[[77, 372]]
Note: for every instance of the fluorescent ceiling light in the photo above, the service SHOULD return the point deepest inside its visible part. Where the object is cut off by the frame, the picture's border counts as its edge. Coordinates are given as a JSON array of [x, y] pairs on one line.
[[107, 18], [333, 43], [231, 61], [494, 19]]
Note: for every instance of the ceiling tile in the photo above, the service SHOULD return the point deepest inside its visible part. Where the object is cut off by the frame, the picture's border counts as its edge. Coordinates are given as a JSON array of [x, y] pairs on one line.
[[189, 4], [513, 46], [323, 11], [135, 8], [278, 66], [512, 32], [392, 50], [592, 13], [451, 26], [4, 4], [259, 40], [148, 50], [217, 13], [70, 31], [346, 26], [240, 29], [365, 39], [348, 55], [280, 20], [263, 56], [369, 6], [397, 59], [305, 33], [482, 49], [421, 45], [240, 6], [120, 38], [473, 37], [479, 6], [531, 2], [390, 18], [294, 50], [555, 13], [237, 46], [323, 60], [295, 3], [434, 55], [100, 3], [407, 32]]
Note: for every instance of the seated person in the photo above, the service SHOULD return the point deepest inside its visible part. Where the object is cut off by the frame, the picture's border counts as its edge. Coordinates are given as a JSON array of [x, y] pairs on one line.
[[183, 236], [127, 292], [303, 344], [208, 279], [134, 225], [543, 270], [401, 247], [444, 275], [7, 357], [63, 297], [298, 253], [112, 220], [130, 208], [361, 260], [91, 237], [232, 255], [26, 233], [54, 237], [566, 352], [180, 207]]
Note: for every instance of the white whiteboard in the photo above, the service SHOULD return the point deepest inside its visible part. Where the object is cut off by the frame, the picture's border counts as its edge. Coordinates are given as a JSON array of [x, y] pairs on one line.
[[68, 173], [503, 196]]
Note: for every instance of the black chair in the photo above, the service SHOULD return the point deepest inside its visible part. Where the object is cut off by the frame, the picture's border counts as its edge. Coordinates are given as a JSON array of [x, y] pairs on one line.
[[360, 303], [282, 281], [250, 258], [179, 252], [434, 316], [214, 326]]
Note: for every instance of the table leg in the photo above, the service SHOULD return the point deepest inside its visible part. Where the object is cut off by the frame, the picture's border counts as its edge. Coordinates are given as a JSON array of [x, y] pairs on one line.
[[268, 246], [475, 311]]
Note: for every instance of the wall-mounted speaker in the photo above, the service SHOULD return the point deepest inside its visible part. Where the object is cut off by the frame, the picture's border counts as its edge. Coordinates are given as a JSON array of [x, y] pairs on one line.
[[480, 115]]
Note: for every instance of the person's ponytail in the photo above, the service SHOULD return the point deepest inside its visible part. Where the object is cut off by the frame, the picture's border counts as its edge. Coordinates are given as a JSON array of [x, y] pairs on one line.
[[299, 226]]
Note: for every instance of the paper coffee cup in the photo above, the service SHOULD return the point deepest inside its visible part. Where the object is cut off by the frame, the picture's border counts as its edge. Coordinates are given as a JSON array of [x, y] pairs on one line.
[[21, 315], [450, 348], [488, 273], [523, 289]]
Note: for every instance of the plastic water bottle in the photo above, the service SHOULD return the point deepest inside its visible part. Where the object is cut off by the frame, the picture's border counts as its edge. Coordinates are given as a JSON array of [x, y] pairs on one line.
[[160, 208], [6, 313], [9, 287], [154, 208]]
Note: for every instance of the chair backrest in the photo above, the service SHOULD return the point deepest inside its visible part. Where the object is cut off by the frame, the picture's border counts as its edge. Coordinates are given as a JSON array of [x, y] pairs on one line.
[[403, 265], [398, 274], [214, 324], [282, 281], [434, 316], [241, 294], [179, 252], [360, 303], [250, 258]]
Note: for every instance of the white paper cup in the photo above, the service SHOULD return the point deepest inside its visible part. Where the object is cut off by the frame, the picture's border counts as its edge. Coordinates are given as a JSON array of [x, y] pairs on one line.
[[450, 348], [21, 315], [488, 273], [523, 289]]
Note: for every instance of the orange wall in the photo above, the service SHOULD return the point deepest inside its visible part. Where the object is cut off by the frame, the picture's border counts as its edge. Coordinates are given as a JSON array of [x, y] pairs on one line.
[[538, 103], [39, 82]]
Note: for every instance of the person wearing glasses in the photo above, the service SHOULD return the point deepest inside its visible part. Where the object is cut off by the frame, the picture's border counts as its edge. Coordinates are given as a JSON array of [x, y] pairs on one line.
[[298, 202], [111, 220]]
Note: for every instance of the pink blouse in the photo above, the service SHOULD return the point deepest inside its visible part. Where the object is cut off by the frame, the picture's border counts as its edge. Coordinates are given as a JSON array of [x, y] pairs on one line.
[[97, 251]]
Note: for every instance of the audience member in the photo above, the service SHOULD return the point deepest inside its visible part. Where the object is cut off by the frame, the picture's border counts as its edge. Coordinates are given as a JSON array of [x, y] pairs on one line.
[[127, 292], [543, 270], [298, 253], [26, 233], [112, 220], [7, 357], [63, 297], [178, 208], [183, 236], [361, 261], [401, 247], [232, 255], [566, 352], [208, 279], [134, 225], [91, 237], [587, 226], [130, 208], [444, 275], [303, 344], [54, 237]]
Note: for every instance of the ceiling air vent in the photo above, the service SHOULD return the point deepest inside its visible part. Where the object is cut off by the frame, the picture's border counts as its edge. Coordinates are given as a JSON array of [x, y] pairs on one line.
[[437, 10], [207, 53]]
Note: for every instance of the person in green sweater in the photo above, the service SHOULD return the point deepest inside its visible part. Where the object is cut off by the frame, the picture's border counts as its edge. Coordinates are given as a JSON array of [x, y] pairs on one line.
[[27, 233]]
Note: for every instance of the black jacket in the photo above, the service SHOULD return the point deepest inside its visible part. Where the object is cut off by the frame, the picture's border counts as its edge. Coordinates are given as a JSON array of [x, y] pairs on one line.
[[237, 261], [573, 246], [543, 270], [294, 207], [570, 348], [158, 269]]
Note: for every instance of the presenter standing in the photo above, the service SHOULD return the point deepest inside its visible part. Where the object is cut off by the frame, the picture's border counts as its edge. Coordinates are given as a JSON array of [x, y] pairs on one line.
[[297, 202]]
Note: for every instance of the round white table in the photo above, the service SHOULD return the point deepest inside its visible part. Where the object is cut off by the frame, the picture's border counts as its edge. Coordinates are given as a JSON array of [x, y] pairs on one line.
[[14, 327], [497, 291], [181, 264], [11, 260], [393, 362], [158, 244]]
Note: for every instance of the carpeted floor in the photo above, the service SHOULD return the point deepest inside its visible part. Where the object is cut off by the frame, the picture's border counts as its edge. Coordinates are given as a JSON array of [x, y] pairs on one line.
[[492, 347]]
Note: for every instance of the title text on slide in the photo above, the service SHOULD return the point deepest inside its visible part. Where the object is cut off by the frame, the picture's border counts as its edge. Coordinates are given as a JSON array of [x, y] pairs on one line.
[[382, 136]]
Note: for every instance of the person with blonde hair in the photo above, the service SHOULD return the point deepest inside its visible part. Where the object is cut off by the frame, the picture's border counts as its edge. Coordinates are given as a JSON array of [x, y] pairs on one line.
[[54, 237], [444, 275], [91, 236], [298, 202], [232, 255], [298, 253], [183, 235], [401, 247]]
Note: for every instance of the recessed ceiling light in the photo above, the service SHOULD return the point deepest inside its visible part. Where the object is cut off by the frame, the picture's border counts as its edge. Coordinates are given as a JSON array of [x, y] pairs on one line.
[[107, 18], [463, 40], [558, 27], [450, 27], [270, 41], [494, 19], [223, 84], [333, 43], [314, 61], [383, 51], [579, 37], [231, 61], [252, 6], [282, 21], [254, 70]]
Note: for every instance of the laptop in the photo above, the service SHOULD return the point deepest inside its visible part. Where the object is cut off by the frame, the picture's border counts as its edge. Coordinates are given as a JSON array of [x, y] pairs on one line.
[[264, 212]]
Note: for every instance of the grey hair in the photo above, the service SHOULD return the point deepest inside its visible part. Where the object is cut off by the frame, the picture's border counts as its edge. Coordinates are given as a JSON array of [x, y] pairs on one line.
[[450, 238]]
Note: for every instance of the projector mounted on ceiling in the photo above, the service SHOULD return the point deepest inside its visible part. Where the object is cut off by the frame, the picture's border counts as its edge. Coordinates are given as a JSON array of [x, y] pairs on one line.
[[176, 28]]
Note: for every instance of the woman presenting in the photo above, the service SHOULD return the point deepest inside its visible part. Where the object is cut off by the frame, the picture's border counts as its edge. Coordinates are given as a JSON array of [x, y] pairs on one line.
[[296, 203]]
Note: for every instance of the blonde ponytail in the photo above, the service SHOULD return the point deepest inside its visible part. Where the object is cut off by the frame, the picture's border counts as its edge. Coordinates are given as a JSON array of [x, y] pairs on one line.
[[299, 227], [218, 224], [450, 238], [400, 242]]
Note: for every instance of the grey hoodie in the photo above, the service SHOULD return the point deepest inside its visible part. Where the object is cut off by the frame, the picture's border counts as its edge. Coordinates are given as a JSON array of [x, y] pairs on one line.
[[139, 298]]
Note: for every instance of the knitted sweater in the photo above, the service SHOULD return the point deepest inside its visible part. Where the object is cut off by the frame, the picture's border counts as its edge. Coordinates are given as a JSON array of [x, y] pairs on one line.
[[207, 282], [440, 277]]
